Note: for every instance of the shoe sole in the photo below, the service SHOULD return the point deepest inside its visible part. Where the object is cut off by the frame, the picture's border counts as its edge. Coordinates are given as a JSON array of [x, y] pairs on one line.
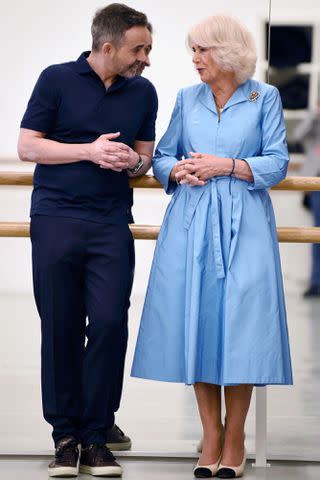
[[63, 472], [101, 471], [119, 447]]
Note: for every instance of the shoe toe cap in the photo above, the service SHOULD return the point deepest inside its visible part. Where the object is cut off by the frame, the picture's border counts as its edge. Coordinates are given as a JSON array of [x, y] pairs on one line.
[[226, 473], [202, 472]]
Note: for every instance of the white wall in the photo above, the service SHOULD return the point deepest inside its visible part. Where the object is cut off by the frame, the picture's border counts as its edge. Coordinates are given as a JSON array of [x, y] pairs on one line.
[[38, 33]]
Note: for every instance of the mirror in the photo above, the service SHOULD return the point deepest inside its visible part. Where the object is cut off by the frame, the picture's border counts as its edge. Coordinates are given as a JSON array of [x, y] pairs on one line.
[[293, 420]]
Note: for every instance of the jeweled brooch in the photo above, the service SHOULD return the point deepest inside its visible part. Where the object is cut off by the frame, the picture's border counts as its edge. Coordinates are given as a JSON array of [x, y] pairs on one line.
[[254, 95]]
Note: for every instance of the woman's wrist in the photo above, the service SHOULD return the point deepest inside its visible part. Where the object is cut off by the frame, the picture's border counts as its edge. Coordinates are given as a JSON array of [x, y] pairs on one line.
[[243, 170], [228, 166], [173, 172]]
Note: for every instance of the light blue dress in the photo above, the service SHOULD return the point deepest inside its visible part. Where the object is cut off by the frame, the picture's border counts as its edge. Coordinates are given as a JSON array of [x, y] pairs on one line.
[[214, 310]]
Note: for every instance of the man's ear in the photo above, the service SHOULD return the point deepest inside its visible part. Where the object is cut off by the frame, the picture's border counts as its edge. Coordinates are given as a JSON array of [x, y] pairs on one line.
[[107, 48]]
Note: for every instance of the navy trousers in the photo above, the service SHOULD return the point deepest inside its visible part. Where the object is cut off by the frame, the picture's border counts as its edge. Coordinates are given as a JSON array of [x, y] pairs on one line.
[[82, 276], [315, 207]]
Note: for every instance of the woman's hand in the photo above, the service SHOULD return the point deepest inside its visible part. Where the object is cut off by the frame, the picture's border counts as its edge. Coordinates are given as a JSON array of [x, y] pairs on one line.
[[200, 167], [182, 174], [205, 166]]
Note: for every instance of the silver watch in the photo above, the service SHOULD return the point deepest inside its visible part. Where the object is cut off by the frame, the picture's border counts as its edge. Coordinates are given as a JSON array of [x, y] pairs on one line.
[[137, 167]]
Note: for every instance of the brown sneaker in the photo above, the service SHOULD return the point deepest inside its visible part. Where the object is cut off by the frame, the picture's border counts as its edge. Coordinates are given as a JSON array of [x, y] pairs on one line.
[[117, 440], [97, 460], [66, 459]]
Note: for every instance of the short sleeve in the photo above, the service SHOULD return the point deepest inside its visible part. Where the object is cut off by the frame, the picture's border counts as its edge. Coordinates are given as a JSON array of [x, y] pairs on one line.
[[42, 107], [147, 131]]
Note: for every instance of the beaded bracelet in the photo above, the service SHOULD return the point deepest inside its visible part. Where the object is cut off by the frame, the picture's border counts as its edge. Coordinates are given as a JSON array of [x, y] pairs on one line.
[[233, 166]]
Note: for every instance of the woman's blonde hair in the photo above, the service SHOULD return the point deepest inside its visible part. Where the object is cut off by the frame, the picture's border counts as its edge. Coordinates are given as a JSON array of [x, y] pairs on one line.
[[233, 46]]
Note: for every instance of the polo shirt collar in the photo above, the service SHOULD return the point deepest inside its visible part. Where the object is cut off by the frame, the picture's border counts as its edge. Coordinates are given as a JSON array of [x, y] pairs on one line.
[[83, 67]]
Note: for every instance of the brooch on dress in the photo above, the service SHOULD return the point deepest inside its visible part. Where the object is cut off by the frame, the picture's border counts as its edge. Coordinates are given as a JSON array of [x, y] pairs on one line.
[[254, 95]]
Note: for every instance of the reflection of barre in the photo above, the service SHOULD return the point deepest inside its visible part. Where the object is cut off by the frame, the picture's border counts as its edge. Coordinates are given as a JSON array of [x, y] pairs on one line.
[[295, 166], [306, 184], [150, 232]]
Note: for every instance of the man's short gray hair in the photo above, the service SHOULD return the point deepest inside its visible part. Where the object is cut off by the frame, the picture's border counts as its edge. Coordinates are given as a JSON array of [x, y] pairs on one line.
[[111, 23]]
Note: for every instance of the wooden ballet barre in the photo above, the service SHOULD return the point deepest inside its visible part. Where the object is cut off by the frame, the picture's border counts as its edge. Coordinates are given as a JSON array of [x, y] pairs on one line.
[[285, 234], [26, 179], [304, 184], [16, 178], [150, 232]]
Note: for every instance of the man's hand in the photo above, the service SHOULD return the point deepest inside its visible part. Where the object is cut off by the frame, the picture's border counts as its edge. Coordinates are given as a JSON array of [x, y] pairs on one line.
[[111, 155], [34, 147], [134, 158]]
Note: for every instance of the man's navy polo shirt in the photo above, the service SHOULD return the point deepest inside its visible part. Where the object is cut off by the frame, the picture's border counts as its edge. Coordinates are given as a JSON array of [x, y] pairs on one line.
[[70, 104]]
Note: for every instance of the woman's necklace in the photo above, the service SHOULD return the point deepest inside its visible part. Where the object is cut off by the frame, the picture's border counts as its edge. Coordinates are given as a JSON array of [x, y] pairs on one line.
[[220, 107]]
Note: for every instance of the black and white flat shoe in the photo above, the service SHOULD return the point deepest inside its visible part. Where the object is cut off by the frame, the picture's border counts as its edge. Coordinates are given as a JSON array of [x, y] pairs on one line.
[[206, 471], [225, 471]]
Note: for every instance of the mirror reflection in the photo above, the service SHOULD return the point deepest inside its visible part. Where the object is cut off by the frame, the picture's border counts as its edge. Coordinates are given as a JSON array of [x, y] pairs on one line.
[[294, 69]]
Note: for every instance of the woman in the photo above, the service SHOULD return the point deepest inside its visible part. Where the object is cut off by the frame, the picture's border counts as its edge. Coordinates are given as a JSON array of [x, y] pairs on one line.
[[214, 313]]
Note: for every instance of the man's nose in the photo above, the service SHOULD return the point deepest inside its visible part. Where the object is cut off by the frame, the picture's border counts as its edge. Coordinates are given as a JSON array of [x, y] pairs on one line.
[[147, 61], [144, 58]]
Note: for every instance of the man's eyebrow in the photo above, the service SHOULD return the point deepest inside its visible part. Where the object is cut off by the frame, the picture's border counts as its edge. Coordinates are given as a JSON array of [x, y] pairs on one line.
[[141, 45], [149, 46]]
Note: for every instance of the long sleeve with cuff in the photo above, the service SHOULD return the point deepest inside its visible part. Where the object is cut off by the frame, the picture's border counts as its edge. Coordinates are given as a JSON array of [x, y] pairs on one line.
[[270, 167], [169, 149]]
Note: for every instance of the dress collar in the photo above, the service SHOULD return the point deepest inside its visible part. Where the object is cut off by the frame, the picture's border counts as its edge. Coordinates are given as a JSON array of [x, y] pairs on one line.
[[238, 96]]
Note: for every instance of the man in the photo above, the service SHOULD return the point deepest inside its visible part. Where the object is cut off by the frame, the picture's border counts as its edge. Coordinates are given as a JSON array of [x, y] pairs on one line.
[[89, 125], [308, 132]]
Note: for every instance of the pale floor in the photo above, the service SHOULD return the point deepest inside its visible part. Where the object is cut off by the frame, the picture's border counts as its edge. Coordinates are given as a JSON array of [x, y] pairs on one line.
[[161, 469], [162, 418]]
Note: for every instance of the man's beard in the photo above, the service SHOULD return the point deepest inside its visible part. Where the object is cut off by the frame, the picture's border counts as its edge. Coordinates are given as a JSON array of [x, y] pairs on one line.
[[140, 68], [135, 69]]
